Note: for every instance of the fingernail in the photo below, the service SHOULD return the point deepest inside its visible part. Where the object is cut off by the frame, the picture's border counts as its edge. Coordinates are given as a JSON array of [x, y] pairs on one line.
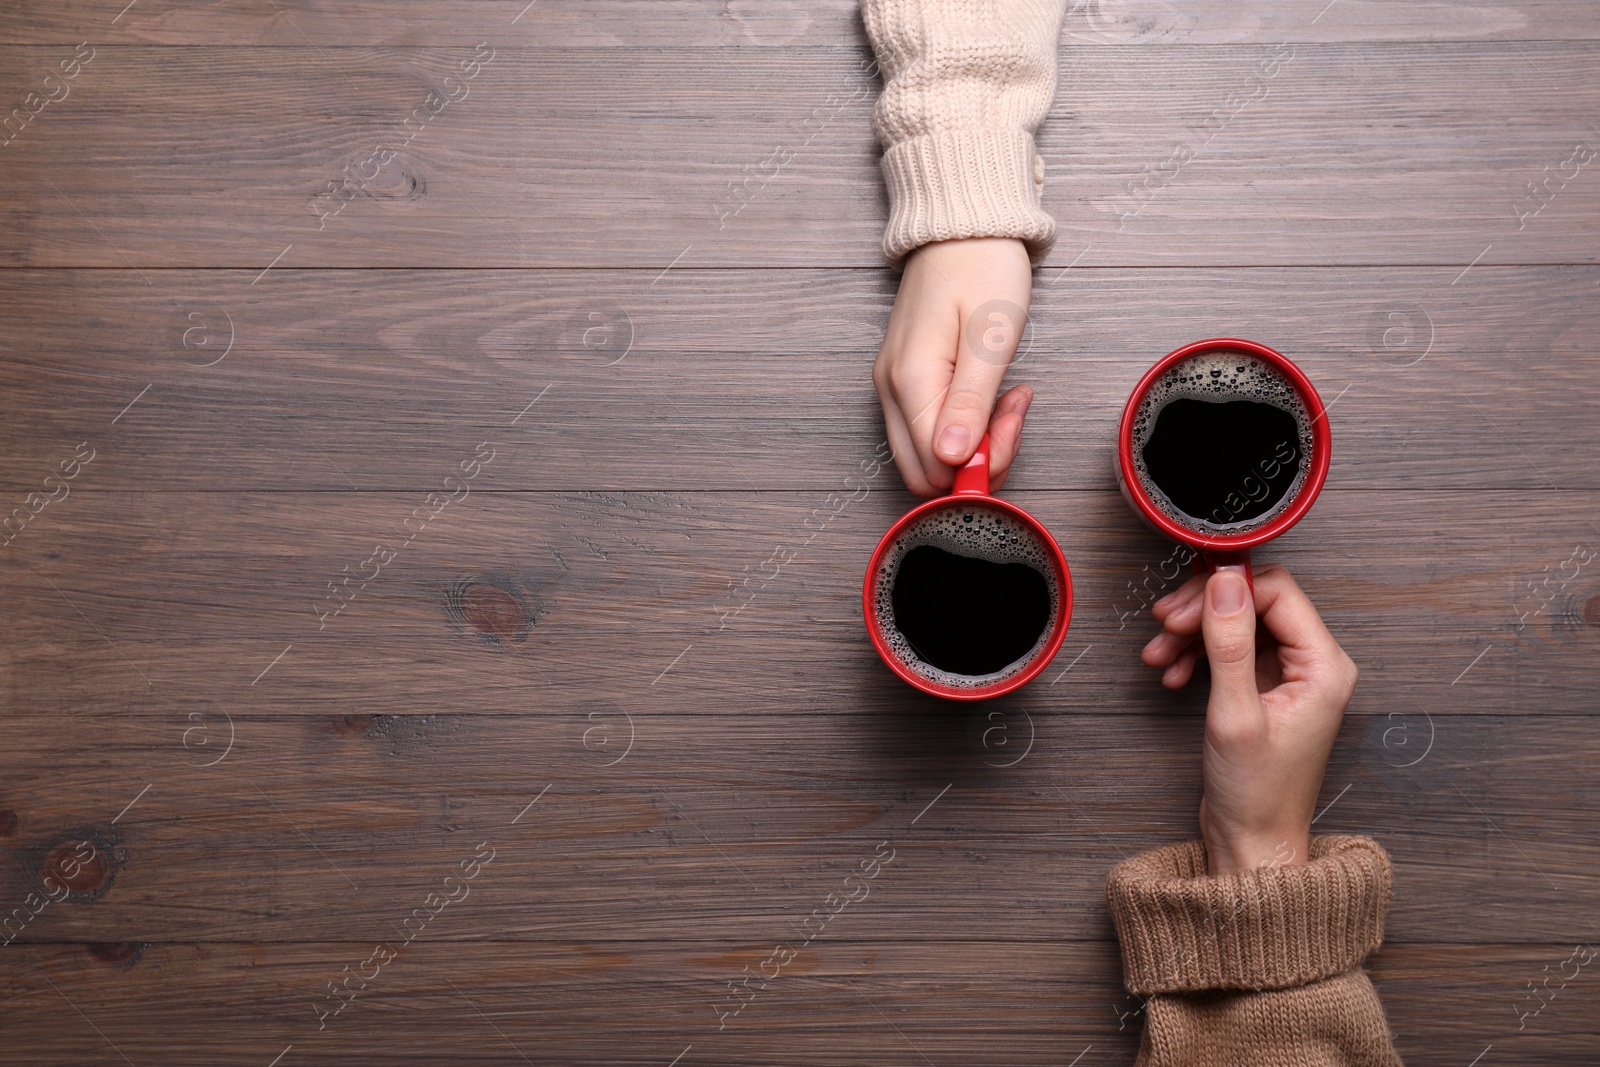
[[954, 440], [1228, 593]]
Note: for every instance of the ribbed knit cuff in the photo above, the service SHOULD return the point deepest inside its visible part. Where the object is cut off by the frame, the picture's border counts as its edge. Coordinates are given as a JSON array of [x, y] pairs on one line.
[[1183, 930], [965, 183]]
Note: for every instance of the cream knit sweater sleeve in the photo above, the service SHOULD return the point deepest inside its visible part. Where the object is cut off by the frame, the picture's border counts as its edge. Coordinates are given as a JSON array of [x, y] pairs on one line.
[[966, 84], [1260, 968]]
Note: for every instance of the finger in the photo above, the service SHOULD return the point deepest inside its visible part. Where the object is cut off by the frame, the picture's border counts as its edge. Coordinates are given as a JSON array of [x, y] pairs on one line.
[[920, 402], [1228, 623], [1182, 669], [1164, 648], [1182, 601], [905, 453], [1005, 433], [1185, 618], [1291, 618], [984, 348]]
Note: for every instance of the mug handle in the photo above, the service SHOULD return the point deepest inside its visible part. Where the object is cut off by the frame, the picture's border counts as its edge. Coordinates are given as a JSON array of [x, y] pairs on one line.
[[972, 477], [1210, 561]]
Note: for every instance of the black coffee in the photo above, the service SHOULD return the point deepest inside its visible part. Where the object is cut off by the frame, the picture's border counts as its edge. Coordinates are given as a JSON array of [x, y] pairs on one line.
[[966, 615], [966, 597], [1226, 462], [1220, 442]]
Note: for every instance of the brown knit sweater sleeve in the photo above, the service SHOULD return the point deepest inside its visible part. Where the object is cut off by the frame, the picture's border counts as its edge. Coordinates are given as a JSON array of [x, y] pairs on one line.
[[1260, 968], [966, 84]]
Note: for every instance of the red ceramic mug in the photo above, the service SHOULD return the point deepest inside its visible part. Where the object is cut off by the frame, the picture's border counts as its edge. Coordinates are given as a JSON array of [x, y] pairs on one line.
[[966, 521], [1188, 372]]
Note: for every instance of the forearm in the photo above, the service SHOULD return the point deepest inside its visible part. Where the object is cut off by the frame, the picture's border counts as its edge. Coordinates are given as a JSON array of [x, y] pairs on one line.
[[1257, 968], [966, 85]]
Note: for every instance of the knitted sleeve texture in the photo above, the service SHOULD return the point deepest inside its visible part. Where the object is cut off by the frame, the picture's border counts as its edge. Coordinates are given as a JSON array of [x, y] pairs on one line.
[[1262, 967], [966, 85]]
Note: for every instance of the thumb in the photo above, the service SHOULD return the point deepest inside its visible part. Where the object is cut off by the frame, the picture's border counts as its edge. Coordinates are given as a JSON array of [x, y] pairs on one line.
[[984, 350], [966, 413], [1228, 623]]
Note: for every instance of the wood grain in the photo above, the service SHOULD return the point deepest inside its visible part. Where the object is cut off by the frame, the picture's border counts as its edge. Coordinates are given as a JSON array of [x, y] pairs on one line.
[[591, 662], [722, 828], [198, 593], [750, 379], [746, 24], [574, 1001], [661, 162]]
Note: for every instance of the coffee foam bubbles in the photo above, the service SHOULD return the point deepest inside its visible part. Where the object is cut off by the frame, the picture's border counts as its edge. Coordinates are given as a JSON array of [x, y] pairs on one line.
[[977, 532], [1218, 376]]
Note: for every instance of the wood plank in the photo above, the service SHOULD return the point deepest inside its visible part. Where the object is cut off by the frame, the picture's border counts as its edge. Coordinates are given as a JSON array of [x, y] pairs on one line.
[[554, 663], [200, 593], [643, 1003], [748, 379], [724, 827], [661, 162], [743, 24]]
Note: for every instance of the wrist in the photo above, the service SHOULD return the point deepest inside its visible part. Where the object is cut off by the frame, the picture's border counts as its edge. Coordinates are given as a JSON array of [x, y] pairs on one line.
[[1238, 852]]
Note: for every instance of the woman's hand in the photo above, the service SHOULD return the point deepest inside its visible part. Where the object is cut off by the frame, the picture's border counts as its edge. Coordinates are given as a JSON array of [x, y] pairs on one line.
[[954, 329], [1273, 713]]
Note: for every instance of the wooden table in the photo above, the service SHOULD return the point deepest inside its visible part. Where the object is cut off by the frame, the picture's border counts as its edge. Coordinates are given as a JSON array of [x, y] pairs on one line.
[[432, 625]]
